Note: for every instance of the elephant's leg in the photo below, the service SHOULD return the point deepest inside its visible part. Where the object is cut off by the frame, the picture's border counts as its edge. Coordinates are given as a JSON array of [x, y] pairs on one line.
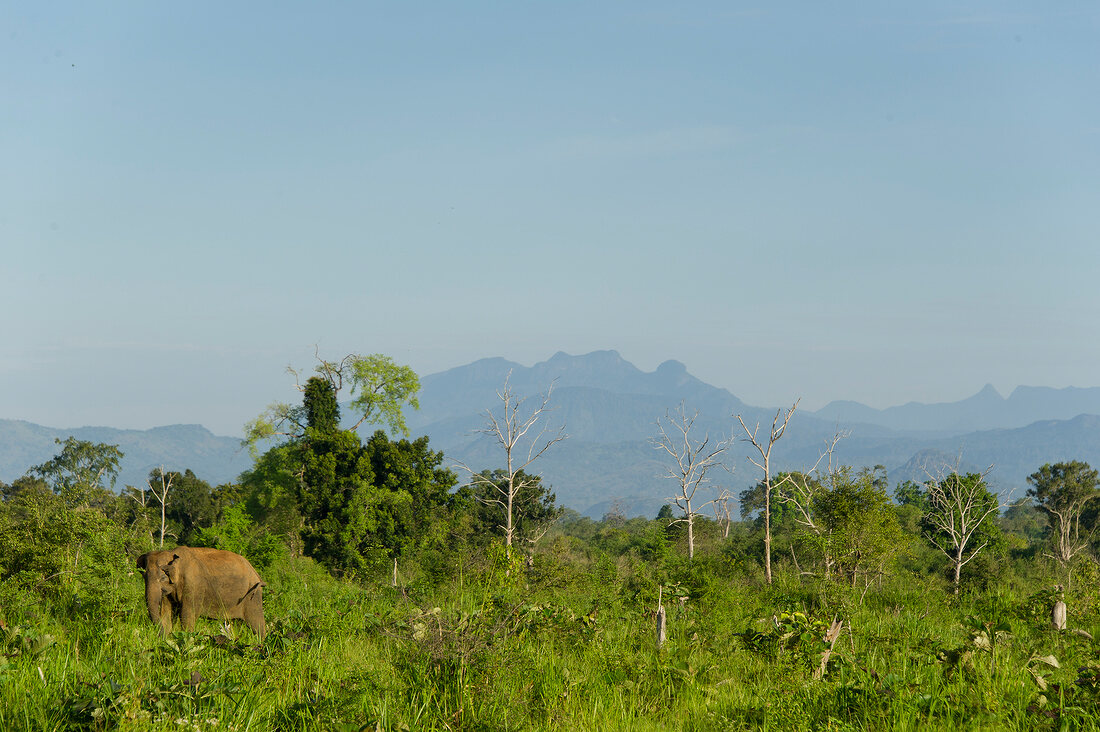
[[188, 615]]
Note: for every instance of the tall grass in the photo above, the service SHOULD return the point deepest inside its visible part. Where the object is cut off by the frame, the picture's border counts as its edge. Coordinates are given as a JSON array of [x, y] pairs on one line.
[[565, 644]]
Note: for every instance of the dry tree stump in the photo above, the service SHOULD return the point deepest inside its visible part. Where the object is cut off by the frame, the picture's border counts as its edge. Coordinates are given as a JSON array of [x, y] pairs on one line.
[[830, 638], [1058, 612], [662, 635]]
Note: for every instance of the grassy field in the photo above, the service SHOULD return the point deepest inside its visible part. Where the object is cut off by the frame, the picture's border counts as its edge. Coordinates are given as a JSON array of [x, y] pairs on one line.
[[568, 643]]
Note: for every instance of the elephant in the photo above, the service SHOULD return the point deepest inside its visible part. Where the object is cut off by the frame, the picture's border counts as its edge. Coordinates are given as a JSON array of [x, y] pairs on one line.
[[193, 581]]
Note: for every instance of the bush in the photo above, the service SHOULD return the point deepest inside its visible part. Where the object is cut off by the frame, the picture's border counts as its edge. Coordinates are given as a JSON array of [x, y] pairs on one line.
[[236, 532], [75, 560]]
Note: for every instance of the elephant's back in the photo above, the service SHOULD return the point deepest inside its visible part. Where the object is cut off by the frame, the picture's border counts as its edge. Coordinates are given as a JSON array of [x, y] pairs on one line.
[[222, 563]]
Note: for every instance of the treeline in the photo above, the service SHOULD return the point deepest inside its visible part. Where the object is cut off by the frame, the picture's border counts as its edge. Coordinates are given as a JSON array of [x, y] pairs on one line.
[[367, 509]]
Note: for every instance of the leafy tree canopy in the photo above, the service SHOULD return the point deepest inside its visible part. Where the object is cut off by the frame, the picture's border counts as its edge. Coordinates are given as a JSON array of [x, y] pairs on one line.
[[911, 493], [1058, 487], [379, 387], [82, 472], [352, 504]]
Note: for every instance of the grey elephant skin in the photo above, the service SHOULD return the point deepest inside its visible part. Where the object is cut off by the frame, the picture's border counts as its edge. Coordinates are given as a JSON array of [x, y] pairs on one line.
[[194, 582]]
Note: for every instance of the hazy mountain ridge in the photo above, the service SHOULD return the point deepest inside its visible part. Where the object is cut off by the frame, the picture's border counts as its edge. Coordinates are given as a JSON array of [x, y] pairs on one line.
[[611, 421], [985, 410], [610, 409], [175, 447]]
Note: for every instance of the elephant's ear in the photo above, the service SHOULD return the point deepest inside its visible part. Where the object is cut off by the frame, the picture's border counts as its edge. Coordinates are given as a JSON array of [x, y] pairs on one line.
[[143, 561], [172, 569]]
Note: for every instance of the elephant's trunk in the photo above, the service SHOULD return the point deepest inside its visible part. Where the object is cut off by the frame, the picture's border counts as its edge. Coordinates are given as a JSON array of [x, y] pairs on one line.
[[154, 595]]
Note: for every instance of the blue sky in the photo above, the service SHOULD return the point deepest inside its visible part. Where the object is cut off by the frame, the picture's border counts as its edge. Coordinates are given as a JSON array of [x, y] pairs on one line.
[[869, 201]]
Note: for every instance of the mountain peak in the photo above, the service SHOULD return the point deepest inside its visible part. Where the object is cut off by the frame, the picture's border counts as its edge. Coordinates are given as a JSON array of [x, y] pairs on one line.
[[989, 391], [602, 358], [671, 367]]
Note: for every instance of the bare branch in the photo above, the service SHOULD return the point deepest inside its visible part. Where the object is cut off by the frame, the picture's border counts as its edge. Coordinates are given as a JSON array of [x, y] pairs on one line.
[[509, 429], [958, 508], [162, 498], [693, 459], [764, 465]]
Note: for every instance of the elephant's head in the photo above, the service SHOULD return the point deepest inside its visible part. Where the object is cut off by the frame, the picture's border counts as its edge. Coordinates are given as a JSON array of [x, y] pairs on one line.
[[161, 581]]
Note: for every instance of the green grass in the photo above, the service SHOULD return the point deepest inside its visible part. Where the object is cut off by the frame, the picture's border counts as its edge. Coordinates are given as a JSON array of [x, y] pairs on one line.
[[568, 646]]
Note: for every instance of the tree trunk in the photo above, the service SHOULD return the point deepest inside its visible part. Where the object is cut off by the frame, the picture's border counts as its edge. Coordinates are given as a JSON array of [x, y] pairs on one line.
[[508, 526], [767, 530], [691, 532], [958, 570]]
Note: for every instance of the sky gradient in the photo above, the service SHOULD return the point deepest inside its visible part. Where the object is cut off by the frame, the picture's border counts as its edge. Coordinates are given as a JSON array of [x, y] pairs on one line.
[[859, 202]]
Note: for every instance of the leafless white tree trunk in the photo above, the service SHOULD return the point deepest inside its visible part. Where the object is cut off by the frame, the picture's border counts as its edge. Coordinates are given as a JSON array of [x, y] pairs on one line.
[[764, 464], [141, 498], [162, 498], [958, 506], [722, 512], [1067, 520], [509, 429], [693, 460]]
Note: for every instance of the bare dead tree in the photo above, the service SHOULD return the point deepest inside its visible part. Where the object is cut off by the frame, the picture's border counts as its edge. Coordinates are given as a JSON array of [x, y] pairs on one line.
[[955, 523], [509, 429], [722, 511], [1068, 540], [141, 498], [615, 515], [693, 460], [165, 485], [764, 464]]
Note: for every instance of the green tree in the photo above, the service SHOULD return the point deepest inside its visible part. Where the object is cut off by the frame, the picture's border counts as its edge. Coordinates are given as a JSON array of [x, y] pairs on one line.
[[60, 537], [1024, 521], [334, 483], [235, 531], [322, 410], [911, 493], [855, 527], [1062, 491], [82, 472], [24, 483], [380, 389], [410, 489], [352, 504], [270, 491]]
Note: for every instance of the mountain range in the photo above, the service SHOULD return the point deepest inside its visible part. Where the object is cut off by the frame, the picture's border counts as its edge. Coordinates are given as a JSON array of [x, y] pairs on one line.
[[610, 409]]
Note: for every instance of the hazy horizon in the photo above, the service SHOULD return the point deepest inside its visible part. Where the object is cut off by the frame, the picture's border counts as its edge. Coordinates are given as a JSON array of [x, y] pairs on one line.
[[804, 404]]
